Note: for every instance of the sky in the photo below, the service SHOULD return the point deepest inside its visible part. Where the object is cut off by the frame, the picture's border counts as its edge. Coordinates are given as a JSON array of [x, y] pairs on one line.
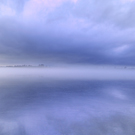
[[100, 32]]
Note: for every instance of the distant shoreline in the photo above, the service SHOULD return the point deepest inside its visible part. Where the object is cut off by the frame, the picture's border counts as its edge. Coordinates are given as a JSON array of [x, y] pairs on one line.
[[24, 66]]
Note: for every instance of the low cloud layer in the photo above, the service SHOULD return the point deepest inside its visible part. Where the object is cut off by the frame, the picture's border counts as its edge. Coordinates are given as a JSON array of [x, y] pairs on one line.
[[67, 31]]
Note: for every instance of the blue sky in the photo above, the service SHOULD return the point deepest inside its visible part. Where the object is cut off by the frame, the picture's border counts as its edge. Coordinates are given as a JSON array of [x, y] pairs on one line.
[[67, 31]]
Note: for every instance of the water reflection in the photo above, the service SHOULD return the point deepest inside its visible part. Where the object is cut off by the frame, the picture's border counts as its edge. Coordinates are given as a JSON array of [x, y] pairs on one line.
[[32, 103]]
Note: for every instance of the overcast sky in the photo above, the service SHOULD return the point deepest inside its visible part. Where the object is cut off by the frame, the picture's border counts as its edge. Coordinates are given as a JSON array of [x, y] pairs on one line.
[[67, 31]]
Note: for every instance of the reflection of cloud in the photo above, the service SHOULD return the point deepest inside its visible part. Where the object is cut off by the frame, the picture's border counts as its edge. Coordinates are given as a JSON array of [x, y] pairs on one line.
[[118, 94], [41, 106], [10, 127]]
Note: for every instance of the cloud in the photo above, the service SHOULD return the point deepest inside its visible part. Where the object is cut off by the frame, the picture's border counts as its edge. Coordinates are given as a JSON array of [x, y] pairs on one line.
[[37, 7], [124, 1], [121, 49], [15, 5], [97, 32], [7, 11], [112, 12]]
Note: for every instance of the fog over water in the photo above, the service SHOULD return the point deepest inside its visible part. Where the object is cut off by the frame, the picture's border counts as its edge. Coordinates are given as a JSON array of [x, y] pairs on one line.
[[84, 100], [88, 85]]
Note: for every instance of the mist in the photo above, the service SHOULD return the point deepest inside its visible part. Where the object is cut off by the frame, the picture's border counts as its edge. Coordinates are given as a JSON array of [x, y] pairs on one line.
[[72, 72]]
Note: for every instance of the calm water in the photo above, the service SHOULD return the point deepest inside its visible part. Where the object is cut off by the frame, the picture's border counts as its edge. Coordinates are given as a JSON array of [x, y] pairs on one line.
[[67, 102]]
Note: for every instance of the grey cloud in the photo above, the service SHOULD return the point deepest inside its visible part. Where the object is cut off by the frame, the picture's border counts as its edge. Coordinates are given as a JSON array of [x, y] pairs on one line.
[[22, 45], [55, 40], [113, 13], [110, 12], [18, 5]]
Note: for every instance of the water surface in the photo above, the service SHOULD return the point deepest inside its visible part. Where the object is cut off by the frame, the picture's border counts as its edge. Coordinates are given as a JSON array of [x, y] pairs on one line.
[[59, 101]]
